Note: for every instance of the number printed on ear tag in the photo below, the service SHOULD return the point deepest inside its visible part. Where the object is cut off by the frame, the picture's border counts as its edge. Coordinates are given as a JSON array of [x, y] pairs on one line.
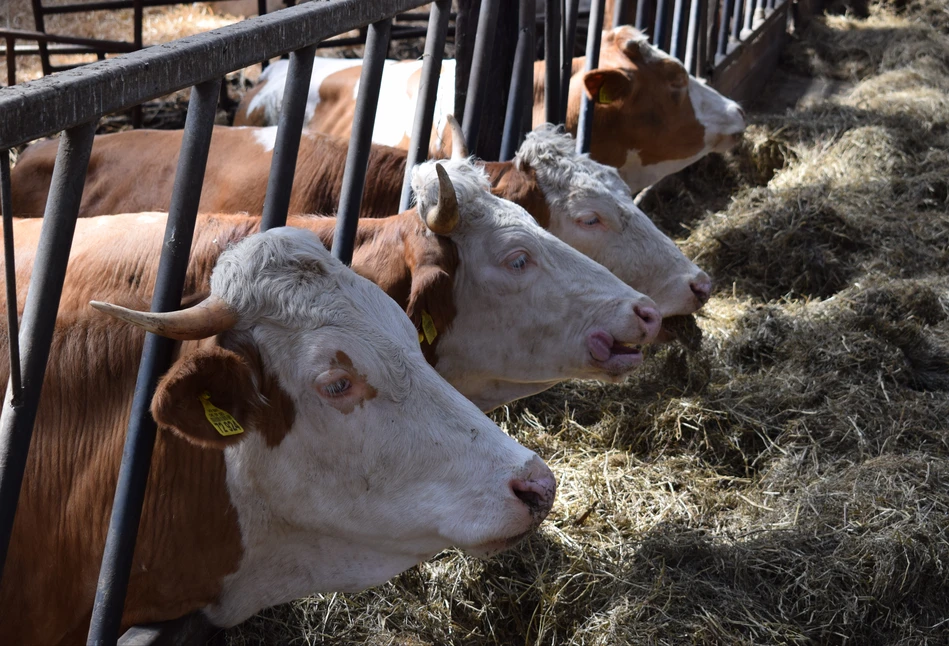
[[222, 421]]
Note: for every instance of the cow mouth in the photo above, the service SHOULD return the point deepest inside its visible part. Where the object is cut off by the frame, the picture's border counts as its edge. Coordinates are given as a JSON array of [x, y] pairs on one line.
[[613, 356], [489, 549]]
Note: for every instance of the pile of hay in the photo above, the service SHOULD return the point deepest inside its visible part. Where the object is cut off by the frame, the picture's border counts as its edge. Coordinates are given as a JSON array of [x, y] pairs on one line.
[[784, 480]]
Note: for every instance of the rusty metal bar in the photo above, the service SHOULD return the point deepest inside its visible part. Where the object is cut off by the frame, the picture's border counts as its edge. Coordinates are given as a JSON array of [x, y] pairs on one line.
[[587, 106], [9, 258], [283, 163], [480, 68], [39, 317], [360, 142], [521, 94], [156, 358], [552, 62], [427, 93]]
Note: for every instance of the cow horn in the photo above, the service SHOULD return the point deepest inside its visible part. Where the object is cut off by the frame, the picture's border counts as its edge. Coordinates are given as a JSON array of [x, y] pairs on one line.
[[459, 150], [209, 317], [444, 216]]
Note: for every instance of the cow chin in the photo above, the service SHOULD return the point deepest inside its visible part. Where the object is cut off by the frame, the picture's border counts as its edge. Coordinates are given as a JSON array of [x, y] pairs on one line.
[[492, 548]]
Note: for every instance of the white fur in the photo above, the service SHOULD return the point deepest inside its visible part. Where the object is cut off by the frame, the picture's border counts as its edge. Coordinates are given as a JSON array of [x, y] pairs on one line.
[[270, 97], [266, 137], [628, 243], [348, 500], [519, 333]]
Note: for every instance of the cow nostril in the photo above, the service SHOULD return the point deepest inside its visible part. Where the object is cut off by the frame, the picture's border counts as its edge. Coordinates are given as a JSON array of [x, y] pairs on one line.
[[649, 315], [538, 494], [702, 290], [529, 497]]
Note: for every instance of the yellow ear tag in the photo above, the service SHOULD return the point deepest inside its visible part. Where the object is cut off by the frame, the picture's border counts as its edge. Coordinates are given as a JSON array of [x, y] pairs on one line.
[[222, 421], [428, 327], [603, 96]]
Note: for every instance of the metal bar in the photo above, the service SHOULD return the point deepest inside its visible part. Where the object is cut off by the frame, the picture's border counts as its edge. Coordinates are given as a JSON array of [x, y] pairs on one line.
[[137, 23], [38, 10], [552, 61], [9, 258], [156, 358], [283, 163], [585, 127], [566, 63], [11, 62], [703, 49], [522, 78], [736, 24], [641, 15], [691, 37], [39, 317], [749, 15], [360, 142], [42, 107], [619, 11], [261, 7], [480, 68], [722, 45], [659, 31], [527, 88], [677, 20], [112, 46], [427, 93]]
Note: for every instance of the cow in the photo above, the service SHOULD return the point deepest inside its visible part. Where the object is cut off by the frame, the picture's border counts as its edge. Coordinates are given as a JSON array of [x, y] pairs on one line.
[[304, 446], [652, 118], [579, 200], [503, 308]]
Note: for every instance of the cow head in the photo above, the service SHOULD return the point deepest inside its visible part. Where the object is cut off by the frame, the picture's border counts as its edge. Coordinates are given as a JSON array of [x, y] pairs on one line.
[[591, 209], [348, 458], [653, 116], [531, 311]]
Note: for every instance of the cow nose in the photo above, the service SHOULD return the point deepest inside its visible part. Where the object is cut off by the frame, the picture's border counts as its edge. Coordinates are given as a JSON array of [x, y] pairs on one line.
[[650, 320], [702, 288], [537, 489]]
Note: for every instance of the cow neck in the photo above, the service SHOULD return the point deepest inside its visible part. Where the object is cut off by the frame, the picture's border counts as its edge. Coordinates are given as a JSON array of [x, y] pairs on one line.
[[521, 187]]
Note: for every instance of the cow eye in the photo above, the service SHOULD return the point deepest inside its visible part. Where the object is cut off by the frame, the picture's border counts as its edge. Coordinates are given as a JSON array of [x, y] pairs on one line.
[[337, 388], [589, 220], [517, 262]]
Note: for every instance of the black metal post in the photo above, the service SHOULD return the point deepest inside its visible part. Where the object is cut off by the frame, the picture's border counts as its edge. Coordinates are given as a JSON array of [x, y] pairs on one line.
[[585, 126], [727, 8], [39, 317], [480, 66], [692, 37], [736, 22], [427, 93], [641, 15], [38, 22], [552, 61], [521, 79], [283, 163], [357, 159], [11, 61], [659, 31], [566, 57], [677, 22], [156, 358], [6, 203], [619, 11]]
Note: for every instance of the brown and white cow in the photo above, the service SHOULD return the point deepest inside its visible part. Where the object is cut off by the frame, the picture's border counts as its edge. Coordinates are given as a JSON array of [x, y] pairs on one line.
[[581, 201], [343, 458], [652, 118], [504, 309]]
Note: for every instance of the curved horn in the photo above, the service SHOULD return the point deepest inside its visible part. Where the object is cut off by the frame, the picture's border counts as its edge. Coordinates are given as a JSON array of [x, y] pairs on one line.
[[444, 216], [209, 317], [459, 150]]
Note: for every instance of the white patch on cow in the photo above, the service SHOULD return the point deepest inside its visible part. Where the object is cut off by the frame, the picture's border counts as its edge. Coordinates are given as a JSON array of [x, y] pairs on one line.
[[638, 177], [527, 304], [722, 117], [338, 505], [274, 80], [148, 218], [266, 137], [592, 210], [396, 109]]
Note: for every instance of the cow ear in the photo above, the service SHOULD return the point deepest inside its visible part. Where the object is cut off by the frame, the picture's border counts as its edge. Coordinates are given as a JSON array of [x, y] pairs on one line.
[[431, 305], [522, 189], [605, 86], [207, 398]]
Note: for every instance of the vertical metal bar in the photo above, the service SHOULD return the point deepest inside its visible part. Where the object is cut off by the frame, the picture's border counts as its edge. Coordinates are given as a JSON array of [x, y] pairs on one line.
[[262, 7], [357, 159], [11, 61], [677, 22], [480, 67], [585, 127], [566, 63], [749, 15], [156, 357], [641, 15], [722, 48], [704, 46], [427, 93], [692, 37], [6, 203], [137, 16], [659, 31], [521, 93], [619, 11], [283, 163], [552, 61], [527, 88], [736, 24], [40, 26], [39, 317]]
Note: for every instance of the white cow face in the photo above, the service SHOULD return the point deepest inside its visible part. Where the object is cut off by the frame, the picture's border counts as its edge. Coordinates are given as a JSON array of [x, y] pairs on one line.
[[531, 311], [360, 461], [592, 210]]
